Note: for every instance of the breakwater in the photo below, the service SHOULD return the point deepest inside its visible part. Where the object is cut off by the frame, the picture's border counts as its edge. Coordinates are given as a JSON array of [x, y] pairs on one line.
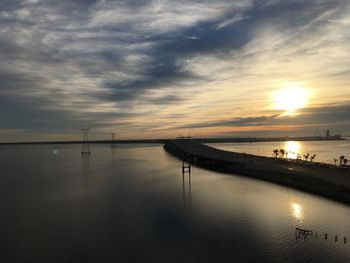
[[322, 179]]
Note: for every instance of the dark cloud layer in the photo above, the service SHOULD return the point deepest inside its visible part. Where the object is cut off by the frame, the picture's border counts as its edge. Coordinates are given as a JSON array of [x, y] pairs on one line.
[[328, 116], [67, 64]]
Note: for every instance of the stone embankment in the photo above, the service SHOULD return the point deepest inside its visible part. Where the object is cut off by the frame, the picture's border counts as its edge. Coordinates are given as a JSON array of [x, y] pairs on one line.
[[322, 179]]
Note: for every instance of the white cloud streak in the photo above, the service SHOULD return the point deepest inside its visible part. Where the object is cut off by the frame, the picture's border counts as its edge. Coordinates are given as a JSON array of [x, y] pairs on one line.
[[144, 60]]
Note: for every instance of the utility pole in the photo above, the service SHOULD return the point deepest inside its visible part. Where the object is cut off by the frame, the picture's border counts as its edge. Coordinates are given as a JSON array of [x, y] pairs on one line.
[[85, 149], [113, 137]]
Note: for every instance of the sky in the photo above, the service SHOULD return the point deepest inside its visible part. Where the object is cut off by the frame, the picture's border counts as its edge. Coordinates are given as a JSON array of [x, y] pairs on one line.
[[160, 69]]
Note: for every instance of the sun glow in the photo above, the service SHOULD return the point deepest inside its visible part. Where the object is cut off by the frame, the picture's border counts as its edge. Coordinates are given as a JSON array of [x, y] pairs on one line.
[[291, 99], [297, 211], [292, 149]]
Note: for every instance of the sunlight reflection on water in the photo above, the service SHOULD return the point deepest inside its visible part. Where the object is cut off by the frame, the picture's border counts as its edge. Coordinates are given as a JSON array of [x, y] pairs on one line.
[[135, 198], [325, 151], [297, 211], [292, 148]]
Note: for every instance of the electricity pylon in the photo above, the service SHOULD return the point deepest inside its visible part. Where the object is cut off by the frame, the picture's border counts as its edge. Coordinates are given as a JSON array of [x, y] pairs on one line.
[[85, 149], [113, 137]]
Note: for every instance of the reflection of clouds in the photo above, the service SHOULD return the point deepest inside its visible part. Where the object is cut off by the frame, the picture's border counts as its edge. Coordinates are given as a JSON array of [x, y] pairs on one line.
[[292, 148], [297, 211]]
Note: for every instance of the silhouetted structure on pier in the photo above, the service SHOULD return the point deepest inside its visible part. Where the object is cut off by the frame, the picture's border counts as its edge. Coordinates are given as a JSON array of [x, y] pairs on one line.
[[302, 233]]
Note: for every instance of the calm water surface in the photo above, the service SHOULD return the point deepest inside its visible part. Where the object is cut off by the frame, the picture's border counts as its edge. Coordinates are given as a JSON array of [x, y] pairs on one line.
[[325, 151], [131, 203]]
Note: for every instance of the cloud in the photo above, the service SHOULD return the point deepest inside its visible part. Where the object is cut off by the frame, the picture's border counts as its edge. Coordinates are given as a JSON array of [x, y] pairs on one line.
[[239, 122], [230, 21], [103, 63], [326, 116]]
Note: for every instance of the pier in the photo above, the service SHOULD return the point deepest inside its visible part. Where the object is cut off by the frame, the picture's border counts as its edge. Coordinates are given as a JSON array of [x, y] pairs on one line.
[[302, 233], [322, 179]]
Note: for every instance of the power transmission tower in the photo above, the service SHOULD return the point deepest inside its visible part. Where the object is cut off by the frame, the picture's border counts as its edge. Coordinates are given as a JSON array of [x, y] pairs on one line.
[[85, 149], [113, 137]]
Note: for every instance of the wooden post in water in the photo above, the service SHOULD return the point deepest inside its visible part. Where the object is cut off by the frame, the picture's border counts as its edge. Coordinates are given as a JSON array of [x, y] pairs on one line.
[[186, 166], [302, 233], [186, 156]]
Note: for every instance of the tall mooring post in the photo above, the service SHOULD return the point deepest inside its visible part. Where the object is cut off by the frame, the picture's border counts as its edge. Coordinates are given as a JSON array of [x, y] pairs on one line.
[[186, 162], [186, 165], [113, 137], [85, 149], [186, 193]]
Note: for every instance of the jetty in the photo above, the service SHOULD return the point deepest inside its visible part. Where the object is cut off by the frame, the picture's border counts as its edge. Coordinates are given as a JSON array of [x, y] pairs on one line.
[[318, 178], [302, 233]]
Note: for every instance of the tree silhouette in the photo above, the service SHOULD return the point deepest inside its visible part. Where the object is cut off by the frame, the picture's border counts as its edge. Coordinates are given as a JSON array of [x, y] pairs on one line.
[[282, 152], [312, 158]]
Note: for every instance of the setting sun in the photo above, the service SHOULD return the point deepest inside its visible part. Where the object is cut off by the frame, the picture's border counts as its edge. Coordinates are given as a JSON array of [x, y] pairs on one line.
[[291, 99]]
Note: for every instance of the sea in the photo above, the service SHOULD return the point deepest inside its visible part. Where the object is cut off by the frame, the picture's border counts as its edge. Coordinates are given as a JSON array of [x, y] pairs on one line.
[[132, 203], [325, 151]]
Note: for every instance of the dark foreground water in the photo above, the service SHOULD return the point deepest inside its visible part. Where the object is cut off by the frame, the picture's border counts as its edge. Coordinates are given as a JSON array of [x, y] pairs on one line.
[[131, 203]]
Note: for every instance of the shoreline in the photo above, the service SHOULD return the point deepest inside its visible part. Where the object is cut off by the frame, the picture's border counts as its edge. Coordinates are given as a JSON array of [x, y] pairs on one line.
[[324, 180], [199, 140]]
